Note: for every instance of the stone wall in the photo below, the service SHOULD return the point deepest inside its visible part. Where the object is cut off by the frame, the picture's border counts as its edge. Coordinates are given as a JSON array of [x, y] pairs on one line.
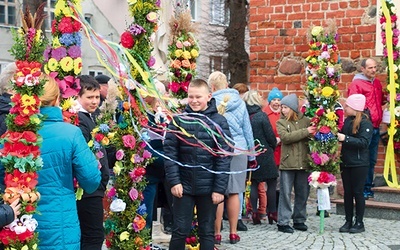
[[279, 45]]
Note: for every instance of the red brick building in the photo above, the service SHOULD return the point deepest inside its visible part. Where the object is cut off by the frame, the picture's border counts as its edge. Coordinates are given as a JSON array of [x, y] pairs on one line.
[[279, 45]]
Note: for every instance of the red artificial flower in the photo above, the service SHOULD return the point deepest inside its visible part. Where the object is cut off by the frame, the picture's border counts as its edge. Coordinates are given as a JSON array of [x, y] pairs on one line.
[[323, 177], [13, 179], [29, 208], [65, 25], [127, 40], [76, 26], [29, 136], [21, 120], [320, 112], [54, 26], [174, 87], [185, 86], [98, 137], [20, 150], [325, 129], [139, 171]]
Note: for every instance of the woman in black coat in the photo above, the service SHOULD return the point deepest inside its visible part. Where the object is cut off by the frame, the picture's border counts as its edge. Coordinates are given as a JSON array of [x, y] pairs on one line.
[[268, 172]]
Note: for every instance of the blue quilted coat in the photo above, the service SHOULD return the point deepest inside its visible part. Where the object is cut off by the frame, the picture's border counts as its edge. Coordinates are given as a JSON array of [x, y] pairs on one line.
[[65, 155]]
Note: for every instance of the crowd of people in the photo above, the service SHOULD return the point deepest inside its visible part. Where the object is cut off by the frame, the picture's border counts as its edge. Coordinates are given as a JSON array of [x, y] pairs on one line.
[[275, 126]]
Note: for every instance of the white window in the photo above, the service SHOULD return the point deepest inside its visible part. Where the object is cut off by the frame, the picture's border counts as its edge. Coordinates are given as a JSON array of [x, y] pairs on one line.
[[192, 5], [219, 12], [8, 12], [49, 9]]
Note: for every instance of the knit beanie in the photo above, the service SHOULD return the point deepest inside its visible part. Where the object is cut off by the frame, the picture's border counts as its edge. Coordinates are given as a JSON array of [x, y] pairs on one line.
[[274, 93], [356, 102], [291, 101]]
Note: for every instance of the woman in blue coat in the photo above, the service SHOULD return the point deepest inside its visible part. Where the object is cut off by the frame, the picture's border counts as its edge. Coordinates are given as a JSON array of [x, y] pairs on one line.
[[65, 156]]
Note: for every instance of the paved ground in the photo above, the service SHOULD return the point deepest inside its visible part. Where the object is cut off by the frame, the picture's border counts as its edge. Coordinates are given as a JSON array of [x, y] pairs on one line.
[[379, 234]]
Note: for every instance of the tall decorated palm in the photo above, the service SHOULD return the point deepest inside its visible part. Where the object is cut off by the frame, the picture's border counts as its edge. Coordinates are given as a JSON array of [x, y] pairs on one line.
[[323, 77], [20, 156]]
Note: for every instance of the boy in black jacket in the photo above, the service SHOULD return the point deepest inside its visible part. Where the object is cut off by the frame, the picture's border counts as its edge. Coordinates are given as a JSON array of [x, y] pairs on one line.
[[90, 207], [193, 185]]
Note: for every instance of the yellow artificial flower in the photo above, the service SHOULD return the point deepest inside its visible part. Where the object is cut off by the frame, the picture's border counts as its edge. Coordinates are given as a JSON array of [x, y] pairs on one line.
[[46, 69], [34, 246], [77, 66], [327, 91], [310, 78], [38, 35], [178, 53], [117, 168], [95, 130], [67, 11], [317, 30], [186, 55], [52, 64], [90, 143], [105, 141], [56, 43], [133, 158], [35, 120], [67, 103], [313, 60], [131, 2], [27, 100], [395, 76], [194, 53], [124, 236], [67, 64], [111, 135], [331, 116], [58, 7]]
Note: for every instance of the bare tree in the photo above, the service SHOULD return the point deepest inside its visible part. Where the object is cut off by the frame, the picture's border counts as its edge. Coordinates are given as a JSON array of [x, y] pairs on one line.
[[238, 59]]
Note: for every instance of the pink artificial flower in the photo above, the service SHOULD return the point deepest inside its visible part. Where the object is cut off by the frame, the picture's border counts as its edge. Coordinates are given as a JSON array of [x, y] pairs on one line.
[[146, 154], [112, 192], [133, 194], [179, 44], [324, 159], [142, 144], [129, 141], [151, 61], [316, 158], [119, 155], [174, 87], [320, 112]]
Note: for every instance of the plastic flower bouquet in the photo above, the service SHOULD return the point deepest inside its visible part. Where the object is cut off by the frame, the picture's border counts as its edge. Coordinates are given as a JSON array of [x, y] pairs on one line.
[[321, 179]]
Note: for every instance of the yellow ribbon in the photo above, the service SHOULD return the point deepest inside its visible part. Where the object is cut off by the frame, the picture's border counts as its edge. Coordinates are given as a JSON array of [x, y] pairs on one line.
[[390, 162]]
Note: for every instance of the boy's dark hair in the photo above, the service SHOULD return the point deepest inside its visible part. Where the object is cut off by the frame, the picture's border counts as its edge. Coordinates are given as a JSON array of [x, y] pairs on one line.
[[199, 83], [88, 82]]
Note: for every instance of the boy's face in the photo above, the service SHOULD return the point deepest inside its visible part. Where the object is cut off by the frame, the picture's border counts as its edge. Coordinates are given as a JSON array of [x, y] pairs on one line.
[[90, 100], [198, 97]]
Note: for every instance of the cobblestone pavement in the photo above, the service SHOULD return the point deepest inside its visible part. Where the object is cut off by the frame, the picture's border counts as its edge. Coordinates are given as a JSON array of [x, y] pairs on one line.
[[379, 234]]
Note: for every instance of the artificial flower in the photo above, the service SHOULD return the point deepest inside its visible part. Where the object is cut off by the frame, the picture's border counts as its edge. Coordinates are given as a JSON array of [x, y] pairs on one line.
[[152, 17], [127, 40]]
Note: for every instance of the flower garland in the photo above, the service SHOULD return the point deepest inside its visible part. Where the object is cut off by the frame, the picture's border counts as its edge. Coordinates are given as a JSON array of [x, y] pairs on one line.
[[125, 223], [323, 76], [63, 58], [21, 154], [183, 51], [396, 67]]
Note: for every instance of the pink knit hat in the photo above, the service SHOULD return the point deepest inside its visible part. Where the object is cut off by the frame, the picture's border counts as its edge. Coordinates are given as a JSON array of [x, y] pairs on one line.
[[356, 102]]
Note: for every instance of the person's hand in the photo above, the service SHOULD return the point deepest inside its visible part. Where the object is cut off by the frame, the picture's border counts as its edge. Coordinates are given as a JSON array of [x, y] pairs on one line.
[[278, 140], [15, 205], [217, 197], [252, 164], [341, 136], [312, 129], [177, 190]]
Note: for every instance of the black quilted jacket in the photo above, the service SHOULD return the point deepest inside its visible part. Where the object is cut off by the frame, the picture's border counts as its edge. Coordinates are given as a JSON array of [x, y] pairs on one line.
[[195, 180]]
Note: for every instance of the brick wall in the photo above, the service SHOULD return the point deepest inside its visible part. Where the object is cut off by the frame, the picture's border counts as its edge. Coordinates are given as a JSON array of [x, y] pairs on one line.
[[278, 42]]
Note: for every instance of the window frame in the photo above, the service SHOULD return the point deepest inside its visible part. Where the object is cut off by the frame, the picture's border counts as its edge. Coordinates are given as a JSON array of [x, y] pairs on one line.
[[223, 13], [7, 5]]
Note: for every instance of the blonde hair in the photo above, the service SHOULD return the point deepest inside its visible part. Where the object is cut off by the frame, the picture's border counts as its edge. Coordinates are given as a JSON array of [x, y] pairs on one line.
[[217, 80], [252, 97], [357, 121], [241, 88], [6, 76], [51, 92], [222, 106]]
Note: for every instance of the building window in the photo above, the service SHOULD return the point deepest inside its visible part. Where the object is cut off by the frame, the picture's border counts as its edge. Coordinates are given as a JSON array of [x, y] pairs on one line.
[[95, 72], [218, 63], [219, 12], [8, 12], [192, 5], [49, 9]]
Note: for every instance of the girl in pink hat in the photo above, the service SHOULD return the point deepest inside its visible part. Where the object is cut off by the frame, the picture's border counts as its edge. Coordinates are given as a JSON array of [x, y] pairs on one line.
[[355, 137]]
